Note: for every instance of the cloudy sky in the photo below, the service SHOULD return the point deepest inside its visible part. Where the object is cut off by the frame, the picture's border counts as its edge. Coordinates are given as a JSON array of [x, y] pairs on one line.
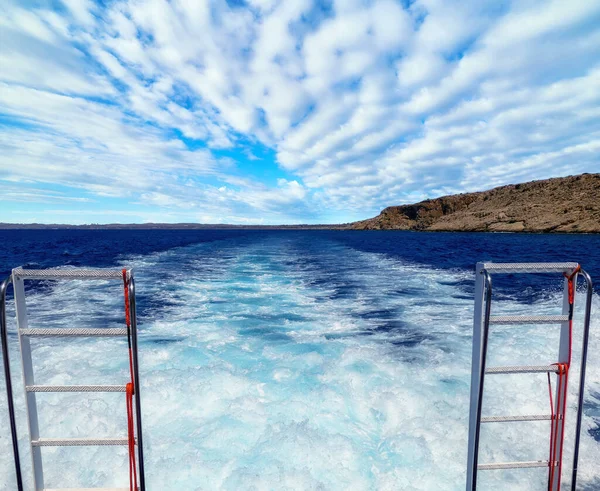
[[267, 111]]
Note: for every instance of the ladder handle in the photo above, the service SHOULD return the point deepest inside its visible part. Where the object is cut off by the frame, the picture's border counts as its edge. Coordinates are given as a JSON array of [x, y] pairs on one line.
[[136, 382], [9, 392], [486, 328], [584, 350]]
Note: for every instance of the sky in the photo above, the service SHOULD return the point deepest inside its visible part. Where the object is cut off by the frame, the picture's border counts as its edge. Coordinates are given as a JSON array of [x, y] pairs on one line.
[[289, 111]]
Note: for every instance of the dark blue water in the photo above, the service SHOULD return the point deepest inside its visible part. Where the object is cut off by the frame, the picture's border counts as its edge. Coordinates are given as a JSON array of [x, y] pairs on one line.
[[448, 251], [47, 248]]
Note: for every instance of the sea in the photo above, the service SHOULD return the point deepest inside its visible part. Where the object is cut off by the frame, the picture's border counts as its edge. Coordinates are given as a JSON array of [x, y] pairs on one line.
[[297, 359]]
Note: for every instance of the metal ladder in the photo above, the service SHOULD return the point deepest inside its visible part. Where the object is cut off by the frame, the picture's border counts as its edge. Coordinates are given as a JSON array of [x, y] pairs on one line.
[[25, 333], [482, 321]]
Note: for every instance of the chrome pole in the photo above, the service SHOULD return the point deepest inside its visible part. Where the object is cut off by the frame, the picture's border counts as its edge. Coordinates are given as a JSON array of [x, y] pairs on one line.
[[9, 392], [136, 381], [486, 328], [584, 350]]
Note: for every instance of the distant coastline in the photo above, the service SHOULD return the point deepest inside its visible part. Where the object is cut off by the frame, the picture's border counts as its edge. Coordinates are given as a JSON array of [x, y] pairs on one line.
[[559, 205], [167, 226]]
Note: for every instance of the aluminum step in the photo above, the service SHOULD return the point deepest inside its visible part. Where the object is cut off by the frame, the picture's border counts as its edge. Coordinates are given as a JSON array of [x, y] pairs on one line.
[[86, 489], [73, 332], [75, 388], [523, 369], [530, 267], [507, 419], [68, 273], [514, 465], [528, 319], [78, 442]]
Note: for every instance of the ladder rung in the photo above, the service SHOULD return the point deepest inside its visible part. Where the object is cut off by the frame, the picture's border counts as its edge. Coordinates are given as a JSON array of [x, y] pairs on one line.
[[69, 273], [528, 319], [75, 388], [506, 419], [86, 489], [529, 267], [74, 332], [523, 369], [78, 442], [514, 465]]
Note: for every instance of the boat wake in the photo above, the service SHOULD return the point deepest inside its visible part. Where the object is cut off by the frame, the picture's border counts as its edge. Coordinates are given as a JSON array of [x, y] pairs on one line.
[[279, 364]]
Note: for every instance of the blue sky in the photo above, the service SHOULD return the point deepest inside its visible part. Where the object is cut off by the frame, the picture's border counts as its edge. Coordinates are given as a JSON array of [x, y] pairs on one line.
[[290, 111]]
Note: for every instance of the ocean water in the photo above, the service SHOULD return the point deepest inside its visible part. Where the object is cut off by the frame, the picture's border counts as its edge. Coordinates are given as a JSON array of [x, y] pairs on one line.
[[285, 360]]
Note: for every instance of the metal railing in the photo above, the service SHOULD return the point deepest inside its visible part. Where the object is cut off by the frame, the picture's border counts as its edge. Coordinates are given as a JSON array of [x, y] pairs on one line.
[[483, 319], [31, 388], [7, 376]]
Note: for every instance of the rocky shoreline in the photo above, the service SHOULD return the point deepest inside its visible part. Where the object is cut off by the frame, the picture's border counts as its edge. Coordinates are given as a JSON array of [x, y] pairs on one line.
[[566, 204]]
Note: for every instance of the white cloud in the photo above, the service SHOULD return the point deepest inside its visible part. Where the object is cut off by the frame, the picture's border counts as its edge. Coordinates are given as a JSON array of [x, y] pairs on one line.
[[364, 104], [81, 10]]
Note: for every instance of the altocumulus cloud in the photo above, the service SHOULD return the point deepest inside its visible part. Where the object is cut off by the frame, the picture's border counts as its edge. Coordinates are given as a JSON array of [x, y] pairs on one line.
[[266, 111]]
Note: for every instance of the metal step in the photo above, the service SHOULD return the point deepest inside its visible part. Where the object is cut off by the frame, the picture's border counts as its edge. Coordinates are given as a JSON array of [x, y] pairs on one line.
[[529, 267], [507, 419], [68, 273], [528, 319], [74, 332], [514, 465], [86, 489], [523, 369], [78, 442], [75, 388]]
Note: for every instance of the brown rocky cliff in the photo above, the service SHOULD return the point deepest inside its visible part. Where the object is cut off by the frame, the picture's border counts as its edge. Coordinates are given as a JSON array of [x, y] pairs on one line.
[[564, 204]]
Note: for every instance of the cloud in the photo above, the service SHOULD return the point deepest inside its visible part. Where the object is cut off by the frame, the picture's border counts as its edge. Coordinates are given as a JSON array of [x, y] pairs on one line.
[[359, 105], [35, 195]]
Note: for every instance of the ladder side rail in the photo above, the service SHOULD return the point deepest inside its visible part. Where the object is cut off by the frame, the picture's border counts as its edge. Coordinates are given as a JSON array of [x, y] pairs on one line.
[[564, 356], [486, 331], [136, 381], [28, 379], [7, 376], [584, 350], [476, 375]]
